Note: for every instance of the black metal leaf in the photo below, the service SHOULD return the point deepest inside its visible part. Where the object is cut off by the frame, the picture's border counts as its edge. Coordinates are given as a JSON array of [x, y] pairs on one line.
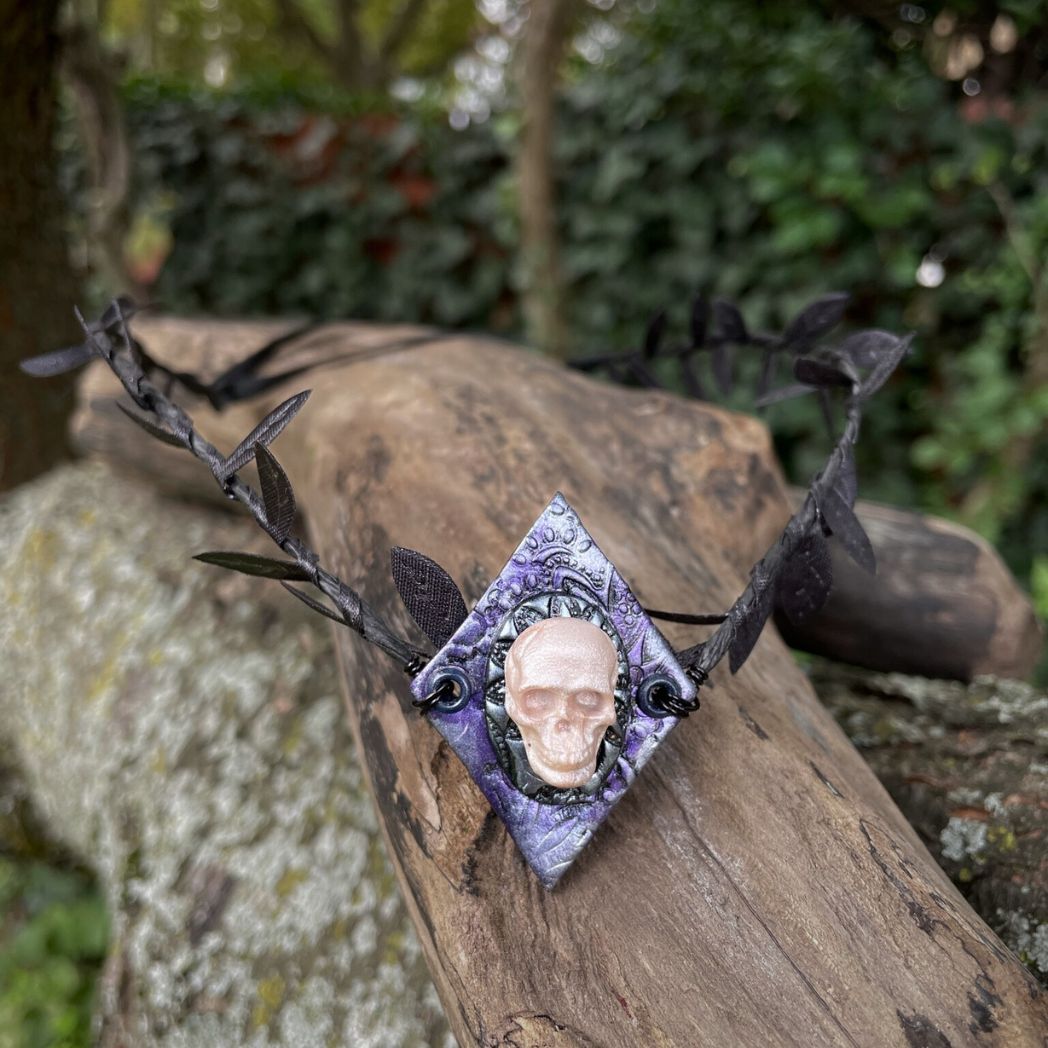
[[277, 495], [653, 336], [806, 578], [887, 363], [781, 394], [865, 348], [150, 428], [311, 603], [264, 433], [249, 387], [820, 373], [429, 593], [846, 527], [698, 320], [253, 564], [749, 622], [242, 379], [815, 320], [722, 368], [58, 362], [729, 322]]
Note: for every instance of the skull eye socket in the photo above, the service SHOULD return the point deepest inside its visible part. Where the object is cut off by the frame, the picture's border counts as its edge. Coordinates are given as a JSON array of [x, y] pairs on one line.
[[588, 701], [537, 701]]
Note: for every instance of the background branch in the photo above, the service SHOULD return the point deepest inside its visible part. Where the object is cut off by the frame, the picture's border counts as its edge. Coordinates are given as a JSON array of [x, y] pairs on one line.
[[542, 49], [397, 34], [294, 21]]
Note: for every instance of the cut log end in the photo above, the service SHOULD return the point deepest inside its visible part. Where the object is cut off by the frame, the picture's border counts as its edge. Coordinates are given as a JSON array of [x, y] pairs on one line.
[[942, 604]]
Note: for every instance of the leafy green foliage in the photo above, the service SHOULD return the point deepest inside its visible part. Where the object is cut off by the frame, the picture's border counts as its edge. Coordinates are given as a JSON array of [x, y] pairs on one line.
[[769, 152], [281, 210], [52, 944], [233, 41], [766, 153]]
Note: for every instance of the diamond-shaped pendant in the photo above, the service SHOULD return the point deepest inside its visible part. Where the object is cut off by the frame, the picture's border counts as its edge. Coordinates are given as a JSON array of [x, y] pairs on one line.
[[550, 676]]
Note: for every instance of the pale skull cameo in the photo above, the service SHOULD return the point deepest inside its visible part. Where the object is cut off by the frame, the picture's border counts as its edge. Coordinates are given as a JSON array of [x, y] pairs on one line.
[[560, 691]]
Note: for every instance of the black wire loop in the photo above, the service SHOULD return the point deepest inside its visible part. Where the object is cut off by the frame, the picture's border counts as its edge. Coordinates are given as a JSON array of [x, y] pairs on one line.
[[697, 675], [660, 696], [671, 700], [414, 666], [450, 692], [444, 690]]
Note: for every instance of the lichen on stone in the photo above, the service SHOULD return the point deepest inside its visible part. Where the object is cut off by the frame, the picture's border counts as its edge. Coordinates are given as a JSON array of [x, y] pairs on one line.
[[966, 763], [1030, 938], [182, 731], [963, 839]]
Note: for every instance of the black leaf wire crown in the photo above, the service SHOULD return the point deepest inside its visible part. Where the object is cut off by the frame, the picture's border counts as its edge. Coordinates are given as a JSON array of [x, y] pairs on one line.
[[794, 574]]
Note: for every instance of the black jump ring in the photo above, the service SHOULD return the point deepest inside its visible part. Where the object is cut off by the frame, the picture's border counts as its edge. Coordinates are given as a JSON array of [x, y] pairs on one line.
[[450, 692]]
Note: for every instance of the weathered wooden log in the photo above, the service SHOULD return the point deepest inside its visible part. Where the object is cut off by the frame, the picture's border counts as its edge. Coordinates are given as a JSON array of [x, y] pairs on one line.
[[757, 885], [942, 604]]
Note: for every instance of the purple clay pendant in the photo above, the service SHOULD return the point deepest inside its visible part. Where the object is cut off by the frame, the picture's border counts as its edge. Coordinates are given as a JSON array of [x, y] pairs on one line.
[[547, 681]]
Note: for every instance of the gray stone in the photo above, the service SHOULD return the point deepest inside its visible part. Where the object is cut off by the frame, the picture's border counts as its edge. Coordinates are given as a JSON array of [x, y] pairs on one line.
[[966, 764], [181, 730]]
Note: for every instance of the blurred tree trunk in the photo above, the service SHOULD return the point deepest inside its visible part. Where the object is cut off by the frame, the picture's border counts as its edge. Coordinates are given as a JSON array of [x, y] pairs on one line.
[[542, 48], [37, 284], [91, 75]]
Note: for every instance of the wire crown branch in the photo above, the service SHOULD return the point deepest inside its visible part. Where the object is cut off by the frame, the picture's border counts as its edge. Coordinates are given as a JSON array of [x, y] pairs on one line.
[[794, 574], [110, 340]]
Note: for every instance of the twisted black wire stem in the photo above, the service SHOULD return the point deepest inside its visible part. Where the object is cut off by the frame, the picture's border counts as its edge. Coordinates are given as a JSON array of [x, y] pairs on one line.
[[794, 573], [700, 659], [125, 362]]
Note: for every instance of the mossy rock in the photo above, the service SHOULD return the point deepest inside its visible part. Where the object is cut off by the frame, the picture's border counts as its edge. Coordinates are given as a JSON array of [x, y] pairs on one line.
[[181, 731], [968, 766]]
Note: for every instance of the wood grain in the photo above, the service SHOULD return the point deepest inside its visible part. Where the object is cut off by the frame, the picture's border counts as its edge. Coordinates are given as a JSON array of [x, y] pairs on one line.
[[757, 886]]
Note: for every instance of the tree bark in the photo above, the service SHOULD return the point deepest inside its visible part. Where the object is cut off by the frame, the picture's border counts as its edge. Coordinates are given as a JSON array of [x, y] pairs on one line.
[[350, 60], [757, 885], [351, 64], [37, 285], [542, 49], [399, 30]]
